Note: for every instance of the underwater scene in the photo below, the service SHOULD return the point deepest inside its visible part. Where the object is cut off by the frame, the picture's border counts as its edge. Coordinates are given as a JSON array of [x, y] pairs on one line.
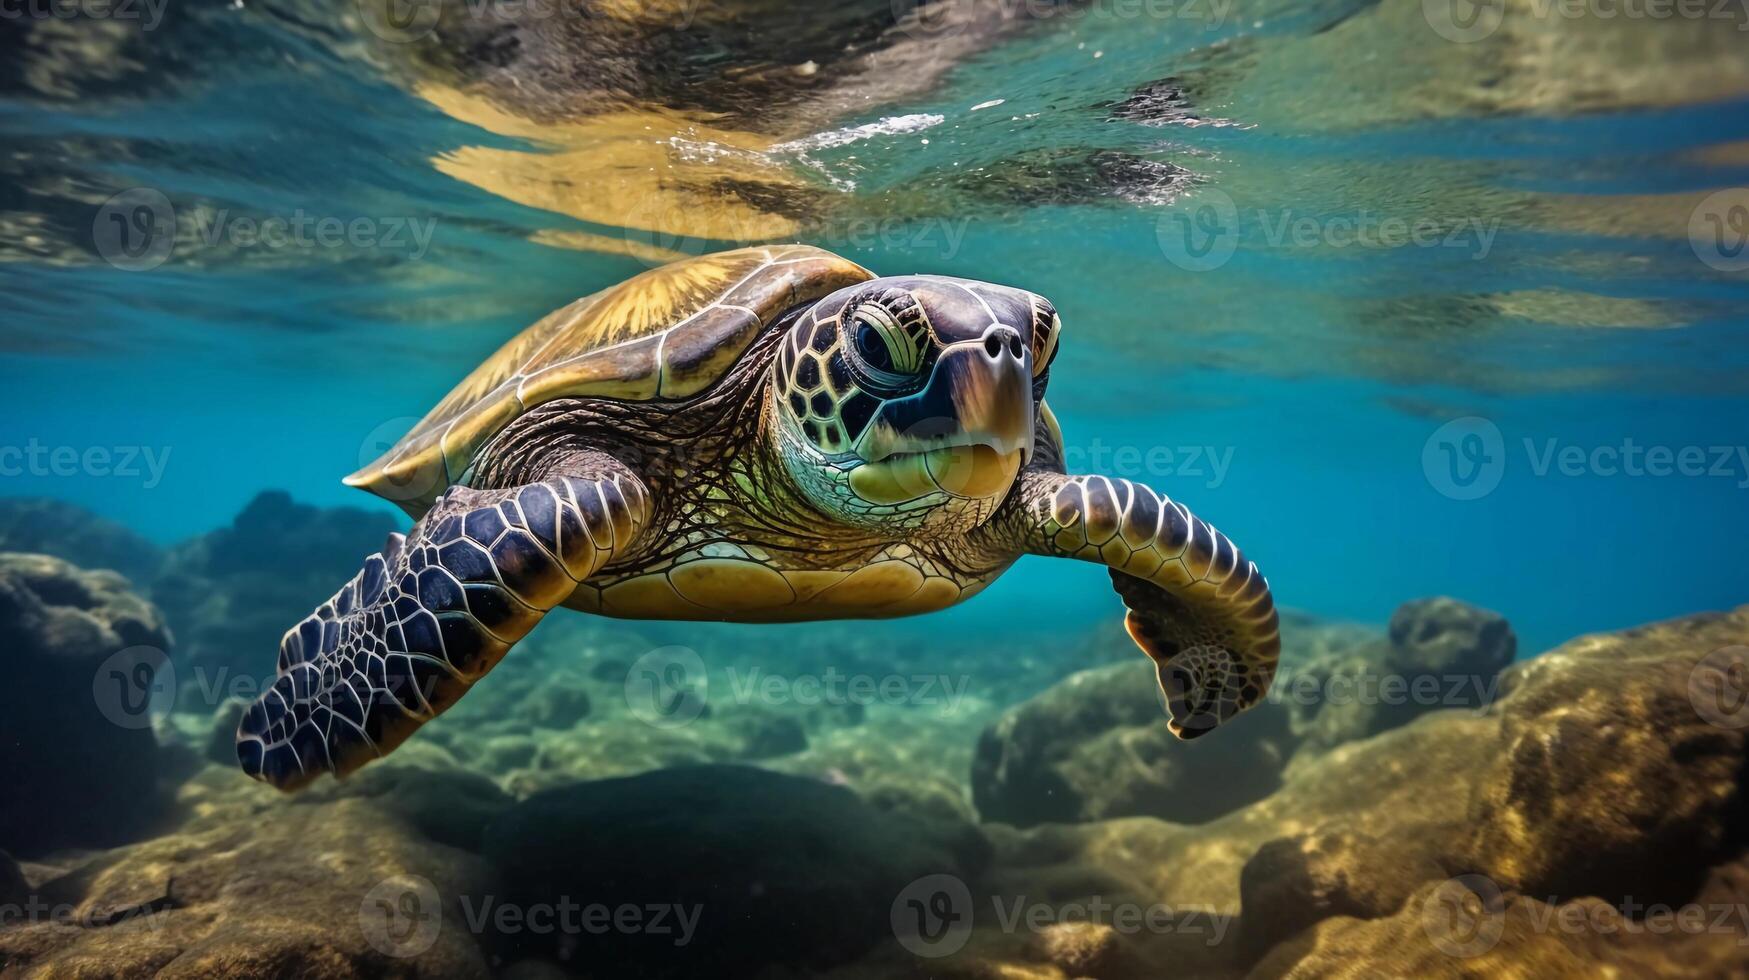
[[999, 489]]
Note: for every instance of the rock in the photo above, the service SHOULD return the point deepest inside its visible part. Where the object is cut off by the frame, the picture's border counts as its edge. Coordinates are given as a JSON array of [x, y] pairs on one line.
[[1292, 883], [232, 593], [1096, 747], [14, 889], [84, 657], [1086, 949], [40, 525], [1466, 926], [1444, 636], [752, 854], [1604, 786], [221, 740], [504, 753], [449, 805], [763, 733], [1607, 776], [559, 704], [261, 885], [1440, 653]]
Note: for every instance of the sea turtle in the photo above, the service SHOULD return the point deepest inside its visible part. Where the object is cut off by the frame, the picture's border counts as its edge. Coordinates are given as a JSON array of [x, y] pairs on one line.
[[768, 434]]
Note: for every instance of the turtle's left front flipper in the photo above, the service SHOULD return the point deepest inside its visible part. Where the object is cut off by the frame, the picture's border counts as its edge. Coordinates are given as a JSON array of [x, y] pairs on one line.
[[1197, 607], [430, 615]]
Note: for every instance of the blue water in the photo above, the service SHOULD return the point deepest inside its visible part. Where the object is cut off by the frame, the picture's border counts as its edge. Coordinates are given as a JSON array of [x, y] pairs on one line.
[[1313, 372]]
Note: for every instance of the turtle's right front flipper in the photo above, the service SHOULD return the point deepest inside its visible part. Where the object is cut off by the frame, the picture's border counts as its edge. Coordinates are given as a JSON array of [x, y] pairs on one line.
[[429, 616]]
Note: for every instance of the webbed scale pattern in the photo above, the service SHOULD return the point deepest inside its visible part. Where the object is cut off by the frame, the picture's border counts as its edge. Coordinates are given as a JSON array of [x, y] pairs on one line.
[[1197, 607], [427, 617]]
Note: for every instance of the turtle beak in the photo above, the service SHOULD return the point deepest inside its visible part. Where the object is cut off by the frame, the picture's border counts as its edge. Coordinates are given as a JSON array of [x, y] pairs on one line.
[[967, 432]]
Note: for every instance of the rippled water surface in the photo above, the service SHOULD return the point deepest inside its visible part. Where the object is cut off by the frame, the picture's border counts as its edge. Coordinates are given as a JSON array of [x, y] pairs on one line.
[[1290, 242]]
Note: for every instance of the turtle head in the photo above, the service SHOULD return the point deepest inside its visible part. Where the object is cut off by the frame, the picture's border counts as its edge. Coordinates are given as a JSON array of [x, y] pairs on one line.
[[909, 403]]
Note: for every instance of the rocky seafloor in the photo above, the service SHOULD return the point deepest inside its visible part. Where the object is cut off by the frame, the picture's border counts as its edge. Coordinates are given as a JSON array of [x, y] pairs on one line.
[[1419, 800]]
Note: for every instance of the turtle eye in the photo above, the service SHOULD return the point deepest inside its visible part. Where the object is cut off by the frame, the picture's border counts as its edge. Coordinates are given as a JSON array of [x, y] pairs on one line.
[[882, 348]]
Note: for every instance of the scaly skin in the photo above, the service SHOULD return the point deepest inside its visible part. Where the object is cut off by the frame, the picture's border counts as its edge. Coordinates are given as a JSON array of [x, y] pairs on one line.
[[784, 491]]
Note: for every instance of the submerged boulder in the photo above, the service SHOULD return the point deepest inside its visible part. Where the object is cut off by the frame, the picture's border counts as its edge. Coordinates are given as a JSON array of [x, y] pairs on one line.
[[1096, 746], [42, 525], [260, 885], [1440, 653], [232, 593], [83, 656], [718, 869], [1569, 827]]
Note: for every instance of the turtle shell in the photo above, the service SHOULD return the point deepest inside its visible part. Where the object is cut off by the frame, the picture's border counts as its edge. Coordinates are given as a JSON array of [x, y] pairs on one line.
[[666, 334]]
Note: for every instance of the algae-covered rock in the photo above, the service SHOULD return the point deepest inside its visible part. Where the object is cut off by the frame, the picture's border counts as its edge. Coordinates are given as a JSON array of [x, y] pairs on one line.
[[232, 593], [84, 658], [14, 890], [258, 885], [1610, 773], [1440, 653], [755, 867], [42, 525], [1096, 746], [1562, 831]]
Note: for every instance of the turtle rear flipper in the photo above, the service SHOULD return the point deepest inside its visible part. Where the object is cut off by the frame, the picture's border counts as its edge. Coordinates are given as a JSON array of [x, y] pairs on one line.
[[427, 617]]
